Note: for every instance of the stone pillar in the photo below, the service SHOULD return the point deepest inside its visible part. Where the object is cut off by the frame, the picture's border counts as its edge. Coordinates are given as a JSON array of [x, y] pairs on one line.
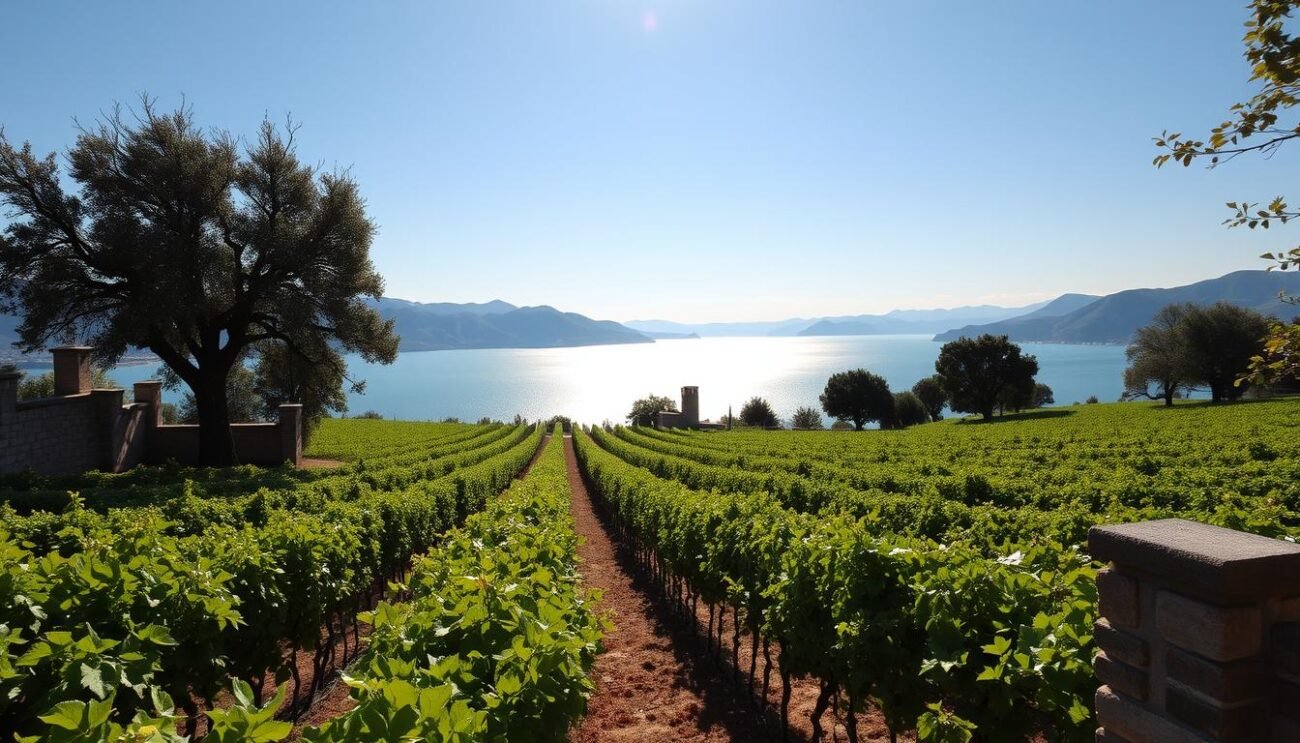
[[1193, 633], [149, 392], [71, 370], [9, 395], [291, 434]]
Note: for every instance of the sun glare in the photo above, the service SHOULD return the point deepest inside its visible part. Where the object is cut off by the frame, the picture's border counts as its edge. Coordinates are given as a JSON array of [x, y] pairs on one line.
[[649, 21]]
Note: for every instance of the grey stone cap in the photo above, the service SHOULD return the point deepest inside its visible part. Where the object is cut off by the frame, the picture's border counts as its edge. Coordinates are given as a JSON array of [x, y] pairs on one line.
[[1210, 562]]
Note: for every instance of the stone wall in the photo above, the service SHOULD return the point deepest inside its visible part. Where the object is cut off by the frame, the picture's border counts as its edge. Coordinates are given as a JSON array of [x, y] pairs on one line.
[[1199, 634], [80, 429]]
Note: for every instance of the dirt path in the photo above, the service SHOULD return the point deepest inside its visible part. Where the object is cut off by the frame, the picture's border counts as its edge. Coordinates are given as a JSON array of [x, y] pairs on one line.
[[652, 682]]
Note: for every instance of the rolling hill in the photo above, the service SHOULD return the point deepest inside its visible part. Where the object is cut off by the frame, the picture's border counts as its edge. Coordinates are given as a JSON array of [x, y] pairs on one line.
[[1114, 318]]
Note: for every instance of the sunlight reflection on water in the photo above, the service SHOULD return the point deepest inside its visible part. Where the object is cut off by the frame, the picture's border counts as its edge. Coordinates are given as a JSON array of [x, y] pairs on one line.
[[596, 383]]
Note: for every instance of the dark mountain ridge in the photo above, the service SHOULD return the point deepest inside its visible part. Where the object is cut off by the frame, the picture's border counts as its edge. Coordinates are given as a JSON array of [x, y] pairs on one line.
[[497, 324], [1115, 317]]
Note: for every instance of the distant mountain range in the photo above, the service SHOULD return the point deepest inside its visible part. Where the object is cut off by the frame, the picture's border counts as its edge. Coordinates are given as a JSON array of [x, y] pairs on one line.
[[1070, 318], [496, 324], [1079, 318], [896, 322]]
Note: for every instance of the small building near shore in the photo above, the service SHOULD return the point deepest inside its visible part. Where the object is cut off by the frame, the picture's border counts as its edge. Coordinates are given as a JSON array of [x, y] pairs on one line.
[[687, 417]]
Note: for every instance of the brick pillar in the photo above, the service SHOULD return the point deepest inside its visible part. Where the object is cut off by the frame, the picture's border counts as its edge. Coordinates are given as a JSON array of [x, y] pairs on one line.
[[71, 370], [1193, 633], [291, 434], [8, 395], [108, 432], [149, 392]]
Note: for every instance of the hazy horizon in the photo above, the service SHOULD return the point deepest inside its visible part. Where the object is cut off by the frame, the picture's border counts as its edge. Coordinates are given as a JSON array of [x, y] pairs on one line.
[[720, 162]]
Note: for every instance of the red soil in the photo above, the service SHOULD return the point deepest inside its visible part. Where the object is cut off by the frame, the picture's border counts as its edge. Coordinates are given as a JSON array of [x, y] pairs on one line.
[[655, 681]]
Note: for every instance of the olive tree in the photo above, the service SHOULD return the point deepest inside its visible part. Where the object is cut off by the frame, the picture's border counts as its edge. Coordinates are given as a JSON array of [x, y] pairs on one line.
[[858, 396], [806, 418], [930, 392], [646, 410], [1157, 360], [979, 373], [758, 412], [1219, 343], [168, 236], [908, 410]]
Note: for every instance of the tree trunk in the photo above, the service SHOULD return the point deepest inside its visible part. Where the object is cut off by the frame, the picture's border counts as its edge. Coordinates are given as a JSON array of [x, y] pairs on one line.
[[1169, 397], [216, 444]]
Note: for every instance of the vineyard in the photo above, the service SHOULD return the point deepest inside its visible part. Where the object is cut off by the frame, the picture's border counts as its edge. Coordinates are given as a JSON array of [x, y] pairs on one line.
[[935, 574], [933, 578], [168, 602]]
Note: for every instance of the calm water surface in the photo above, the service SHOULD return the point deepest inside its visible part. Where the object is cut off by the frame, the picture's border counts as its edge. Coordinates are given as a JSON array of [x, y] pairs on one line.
[[597, 383]]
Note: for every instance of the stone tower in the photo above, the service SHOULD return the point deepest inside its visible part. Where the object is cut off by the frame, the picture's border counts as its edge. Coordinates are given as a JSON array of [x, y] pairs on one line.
[[691, 407]]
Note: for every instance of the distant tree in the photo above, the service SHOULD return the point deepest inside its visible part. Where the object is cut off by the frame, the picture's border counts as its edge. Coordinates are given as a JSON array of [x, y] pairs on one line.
[[930, 391], [842, 426], [979, 372], [805, 418], [1158, 356], [485, 421], [369, 415], [182, 241], [858, 396], [1043, 396], [759, 413], [645, 411], [908, 410], [32, 388], [1219, 342], [1092, 400], [281, 376]]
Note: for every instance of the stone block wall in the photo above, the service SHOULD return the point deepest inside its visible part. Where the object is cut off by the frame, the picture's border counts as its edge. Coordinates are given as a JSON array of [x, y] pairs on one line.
[[1199, 633], [80, 429]]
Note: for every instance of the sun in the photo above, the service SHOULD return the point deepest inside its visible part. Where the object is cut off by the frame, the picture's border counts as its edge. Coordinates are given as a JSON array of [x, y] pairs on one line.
[[649, 21]]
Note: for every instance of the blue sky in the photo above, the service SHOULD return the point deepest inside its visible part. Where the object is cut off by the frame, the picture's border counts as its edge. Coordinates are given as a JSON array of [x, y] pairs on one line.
[[708, 160]]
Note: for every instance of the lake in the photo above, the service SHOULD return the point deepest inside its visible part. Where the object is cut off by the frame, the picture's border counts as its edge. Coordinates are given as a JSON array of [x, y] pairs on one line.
[[597, 383]]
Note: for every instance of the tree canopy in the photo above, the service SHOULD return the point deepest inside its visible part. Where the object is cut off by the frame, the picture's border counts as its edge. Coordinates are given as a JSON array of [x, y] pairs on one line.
[[931, 394], [646, 410], [188, 243], [858, 396], [1188, 346], [1157, 368], [978, 373], [806, 418], [759, 413], [908, 410], [1219, 342]]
